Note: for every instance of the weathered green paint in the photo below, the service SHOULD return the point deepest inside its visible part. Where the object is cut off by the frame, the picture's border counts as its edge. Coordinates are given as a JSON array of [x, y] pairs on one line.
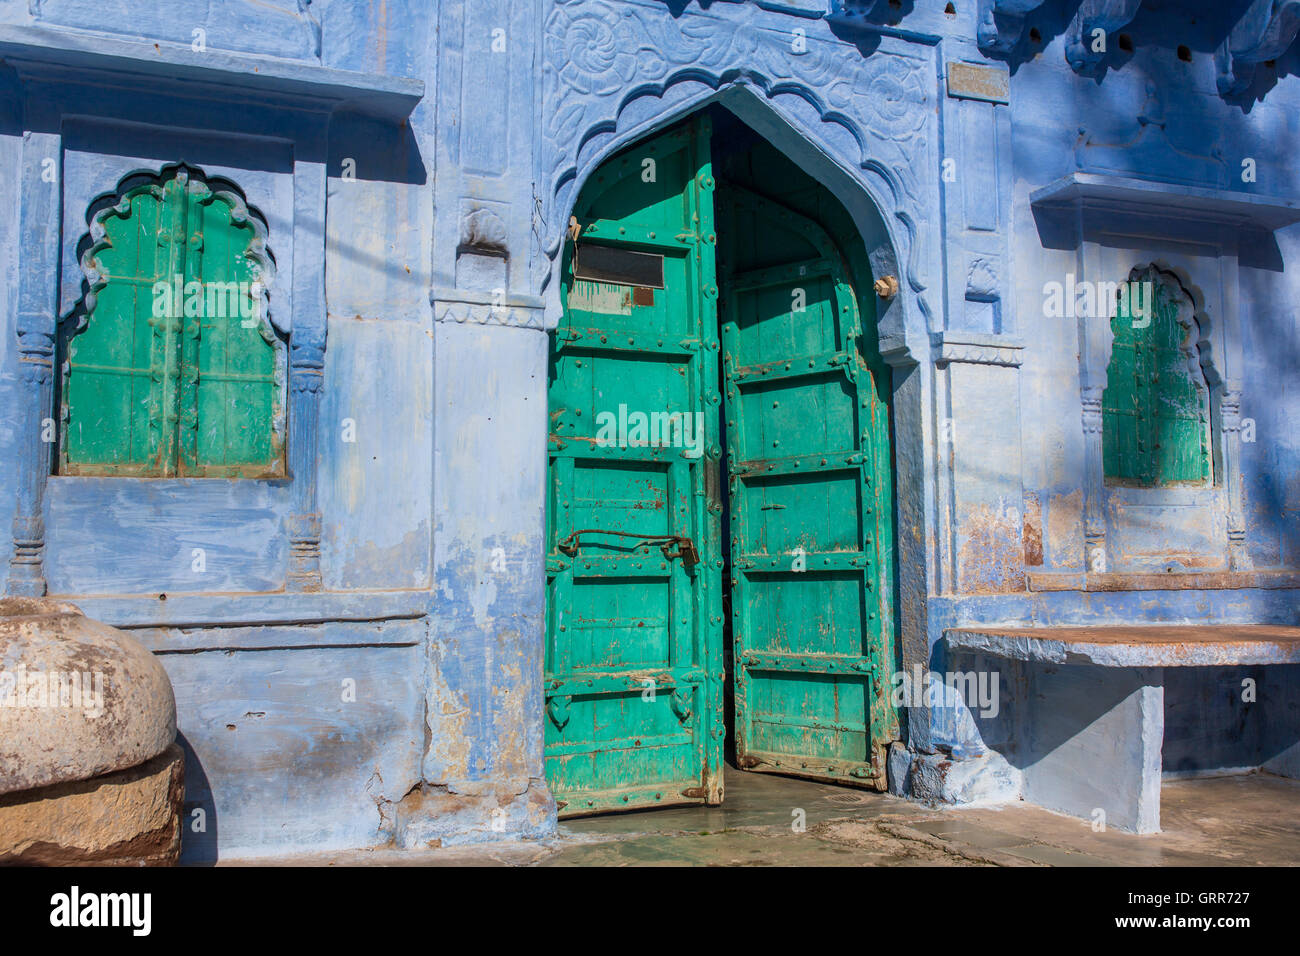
[[809, 516], [182, 382], [1155, 410], [633, 674], [808, 456]]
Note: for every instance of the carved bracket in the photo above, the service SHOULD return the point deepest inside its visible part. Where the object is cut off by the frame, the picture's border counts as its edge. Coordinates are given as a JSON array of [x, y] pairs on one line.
[[1001, 22], [1264, 32], [1084, 48]]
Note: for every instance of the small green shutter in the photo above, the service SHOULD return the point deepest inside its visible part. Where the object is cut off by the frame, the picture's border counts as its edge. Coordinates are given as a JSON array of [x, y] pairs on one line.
[[1155, 410], [174, 369]]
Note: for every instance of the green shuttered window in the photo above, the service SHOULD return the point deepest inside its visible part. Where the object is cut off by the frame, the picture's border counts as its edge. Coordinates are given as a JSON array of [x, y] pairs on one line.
[[170, 366], [1155, 410]]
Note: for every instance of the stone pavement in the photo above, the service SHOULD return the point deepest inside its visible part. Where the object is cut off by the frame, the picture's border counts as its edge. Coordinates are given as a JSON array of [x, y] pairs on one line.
[[1220, 821]]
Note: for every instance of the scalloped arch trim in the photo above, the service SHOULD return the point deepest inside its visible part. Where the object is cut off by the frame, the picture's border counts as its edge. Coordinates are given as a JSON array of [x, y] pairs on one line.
[[117, 203]]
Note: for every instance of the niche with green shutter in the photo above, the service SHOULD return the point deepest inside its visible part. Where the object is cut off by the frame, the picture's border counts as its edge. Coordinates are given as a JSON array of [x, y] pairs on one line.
[[170, 366], [1156, 408]]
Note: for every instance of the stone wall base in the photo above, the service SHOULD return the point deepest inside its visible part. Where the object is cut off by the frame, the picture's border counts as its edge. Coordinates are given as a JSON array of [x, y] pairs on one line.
[[939, 779], [434, 816]]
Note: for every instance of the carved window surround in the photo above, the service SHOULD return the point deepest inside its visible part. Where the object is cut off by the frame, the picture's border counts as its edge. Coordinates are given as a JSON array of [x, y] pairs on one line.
[[293, 103], [1113, 224]]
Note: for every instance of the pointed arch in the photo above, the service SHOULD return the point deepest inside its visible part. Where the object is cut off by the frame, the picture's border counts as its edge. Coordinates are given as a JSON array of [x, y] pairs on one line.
[[619, 73]]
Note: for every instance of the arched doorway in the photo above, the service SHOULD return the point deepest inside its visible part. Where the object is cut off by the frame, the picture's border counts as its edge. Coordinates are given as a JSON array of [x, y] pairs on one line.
[[720, 510]]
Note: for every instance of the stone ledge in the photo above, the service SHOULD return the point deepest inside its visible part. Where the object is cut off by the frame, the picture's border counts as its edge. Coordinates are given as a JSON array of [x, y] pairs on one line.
[[250, 609], [1158, 581], [1120, 197], [255, 78], [468, 306], [976, 349], [1136, 646]]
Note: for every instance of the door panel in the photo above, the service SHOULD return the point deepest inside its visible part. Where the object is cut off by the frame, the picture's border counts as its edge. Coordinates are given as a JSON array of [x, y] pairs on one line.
[[633, 682], [807, 439]]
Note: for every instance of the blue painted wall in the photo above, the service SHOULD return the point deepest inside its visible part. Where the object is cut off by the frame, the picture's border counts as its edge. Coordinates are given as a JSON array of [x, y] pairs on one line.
[[353, 665]]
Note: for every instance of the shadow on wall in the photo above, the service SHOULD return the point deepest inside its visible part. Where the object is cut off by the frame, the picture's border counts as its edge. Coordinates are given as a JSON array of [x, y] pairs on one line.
[[200, 829], [1215, 719]]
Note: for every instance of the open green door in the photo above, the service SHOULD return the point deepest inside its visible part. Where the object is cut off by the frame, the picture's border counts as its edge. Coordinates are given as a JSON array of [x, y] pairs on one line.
[[808, 458], [633, 676]]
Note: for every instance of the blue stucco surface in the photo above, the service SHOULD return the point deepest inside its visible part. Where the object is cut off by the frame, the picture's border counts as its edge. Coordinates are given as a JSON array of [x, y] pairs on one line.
[[417, 162]]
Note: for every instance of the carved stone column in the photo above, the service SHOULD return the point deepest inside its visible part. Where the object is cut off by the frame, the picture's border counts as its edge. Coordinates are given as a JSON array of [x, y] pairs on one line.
[[38, 272], [1230, 420], [306, 372], [36, 364], [306, 375], [1094, 521]]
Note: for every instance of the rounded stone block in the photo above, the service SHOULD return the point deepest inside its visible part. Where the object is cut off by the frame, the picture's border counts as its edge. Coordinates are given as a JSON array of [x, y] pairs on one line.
[[78, 699]]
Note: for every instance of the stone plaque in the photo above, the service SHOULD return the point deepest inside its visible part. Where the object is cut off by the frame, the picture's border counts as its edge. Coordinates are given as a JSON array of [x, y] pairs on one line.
[[974, 82]]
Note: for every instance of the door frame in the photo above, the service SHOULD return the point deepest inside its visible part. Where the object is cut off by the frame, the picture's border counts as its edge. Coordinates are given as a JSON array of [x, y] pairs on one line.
[[885, 217]]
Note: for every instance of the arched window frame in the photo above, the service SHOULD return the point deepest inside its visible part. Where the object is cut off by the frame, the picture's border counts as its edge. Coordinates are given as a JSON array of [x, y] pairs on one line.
[[1193, 345], [117, 204]]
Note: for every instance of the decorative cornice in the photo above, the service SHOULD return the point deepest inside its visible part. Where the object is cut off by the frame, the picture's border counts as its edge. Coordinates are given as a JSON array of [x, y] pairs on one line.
[[1169, 208], [272, 81], [475, 308], [976, 350]]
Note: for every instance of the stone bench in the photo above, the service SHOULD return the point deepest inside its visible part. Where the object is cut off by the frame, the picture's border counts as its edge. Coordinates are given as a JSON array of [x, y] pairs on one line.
[[1088, 708]]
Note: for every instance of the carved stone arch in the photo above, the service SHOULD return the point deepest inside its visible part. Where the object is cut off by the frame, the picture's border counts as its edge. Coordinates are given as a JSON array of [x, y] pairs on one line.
[[616, 73], [889, 243]]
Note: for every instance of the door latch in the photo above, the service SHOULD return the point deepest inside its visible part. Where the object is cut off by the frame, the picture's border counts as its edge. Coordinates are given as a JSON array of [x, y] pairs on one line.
[[672, 545], [686, 550]]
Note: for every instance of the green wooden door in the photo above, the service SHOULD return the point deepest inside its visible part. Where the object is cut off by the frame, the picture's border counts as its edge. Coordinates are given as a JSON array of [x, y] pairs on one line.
[[810, 500], [1155, 409], [174, 370], [633, 679]]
